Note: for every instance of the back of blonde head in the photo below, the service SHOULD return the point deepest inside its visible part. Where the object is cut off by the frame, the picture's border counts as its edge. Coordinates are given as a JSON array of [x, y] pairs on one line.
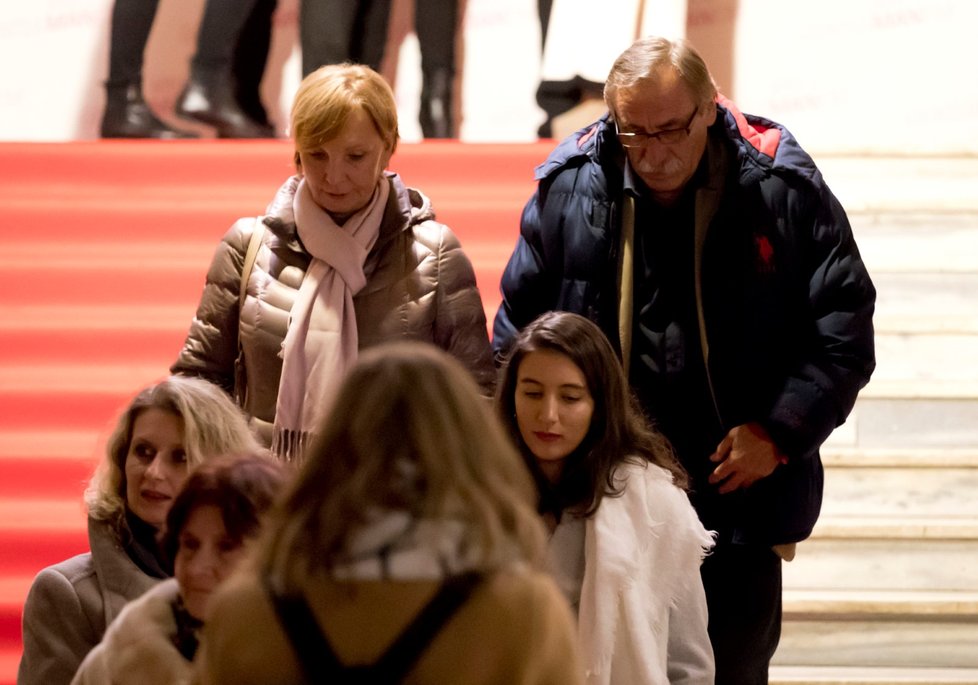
[[409, 432], [213, 426]]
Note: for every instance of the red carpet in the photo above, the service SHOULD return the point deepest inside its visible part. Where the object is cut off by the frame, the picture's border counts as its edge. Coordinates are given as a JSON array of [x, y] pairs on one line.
[[103, 249]]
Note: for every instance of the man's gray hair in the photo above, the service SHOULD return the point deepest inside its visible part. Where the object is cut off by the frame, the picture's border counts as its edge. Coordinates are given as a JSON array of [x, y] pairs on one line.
[[642, 60]]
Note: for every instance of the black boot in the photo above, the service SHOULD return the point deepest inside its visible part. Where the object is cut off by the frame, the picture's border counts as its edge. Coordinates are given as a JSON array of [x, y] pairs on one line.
[[209, 98], [436, 113], [127, 115]]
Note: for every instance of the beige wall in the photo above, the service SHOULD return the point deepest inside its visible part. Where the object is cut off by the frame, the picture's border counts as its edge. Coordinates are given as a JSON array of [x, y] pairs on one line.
[[846, 76]]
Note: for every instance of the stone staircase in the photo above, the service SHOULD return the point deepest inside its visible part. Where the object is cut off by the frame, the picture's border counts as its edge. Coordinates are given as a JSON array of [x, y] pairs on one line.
[[886, 589]]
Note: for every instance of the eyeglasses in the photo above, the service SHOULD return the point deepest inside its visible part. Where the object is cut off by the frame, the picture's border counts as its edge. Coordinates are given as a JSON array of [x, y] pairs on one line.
[[670, 136]]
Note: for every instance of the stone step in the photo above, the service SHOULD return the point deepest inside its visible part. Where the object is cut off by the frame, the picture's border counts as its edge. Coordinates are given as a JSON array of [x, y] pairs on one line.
[[880, 604], [835, 456], [921, 302], [919, 413], [888, 527], [876, 629], [908, 242], [870, 183], [862, 675], [894, 561], [908, 490], [927, 357]]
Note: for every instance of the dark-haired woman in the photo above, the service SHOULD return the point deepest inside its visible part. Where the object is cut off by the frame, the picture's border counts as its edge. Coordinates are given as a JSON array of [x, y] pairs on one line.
[[625, 544]]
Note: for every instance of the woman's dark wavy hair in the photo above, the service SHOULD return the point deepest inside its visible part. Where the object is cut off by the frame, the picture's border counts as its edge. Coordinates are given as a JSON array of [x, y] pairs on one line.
[[619, 430], [242, 488]]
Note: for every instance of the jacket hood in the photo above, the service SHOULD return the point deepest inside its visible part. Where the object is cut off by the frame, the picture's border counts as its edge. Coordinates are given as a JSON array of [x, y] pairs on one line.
[[765, 146], [579, 145]]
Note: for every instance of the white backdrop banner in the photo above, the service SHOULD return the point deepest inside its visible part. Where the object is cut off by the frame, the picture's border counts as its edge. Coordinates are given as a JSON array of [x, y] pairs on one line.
[[846, 76]]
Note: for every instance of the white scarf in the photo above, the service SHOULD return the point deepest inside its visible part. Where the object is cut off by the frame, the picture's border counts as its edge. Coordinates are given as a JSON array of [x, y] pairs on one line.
[[394, 546], [322, 340]]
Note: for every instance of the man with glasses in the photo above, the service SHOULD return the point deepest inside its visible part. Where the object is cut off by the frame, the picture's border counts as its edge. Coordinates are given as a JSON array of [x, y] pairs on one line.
[[707, 246]]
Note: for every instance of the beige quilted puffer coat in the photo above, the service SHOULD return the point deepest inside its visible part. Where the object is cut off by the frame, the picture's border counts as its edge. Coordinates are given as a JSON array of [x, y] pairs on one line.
[[420, 286]]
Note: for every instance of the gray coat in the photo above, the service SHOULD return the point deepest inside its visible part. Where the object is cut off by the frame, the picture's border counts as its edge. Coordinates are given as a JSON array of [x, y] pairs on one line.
[[420, 286], [71, 604]]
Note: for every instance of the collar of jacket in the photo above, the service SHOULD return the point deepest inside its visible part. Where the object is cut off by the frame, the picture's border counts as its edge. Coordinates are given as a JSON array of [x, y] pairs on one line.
[[590, 141], [118, 575]]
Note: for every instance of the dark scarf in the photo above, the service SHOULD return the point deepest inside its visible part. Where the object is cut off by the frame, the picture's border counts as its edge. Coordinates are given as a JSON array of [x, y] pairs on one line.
[[139, 542], [188, 630]]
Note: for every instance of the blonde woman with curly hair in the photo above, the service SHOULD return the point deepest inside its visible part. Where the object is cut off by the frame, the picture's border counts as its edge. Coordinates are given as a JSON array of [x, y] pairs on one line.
[[408, 550], [167, 430]]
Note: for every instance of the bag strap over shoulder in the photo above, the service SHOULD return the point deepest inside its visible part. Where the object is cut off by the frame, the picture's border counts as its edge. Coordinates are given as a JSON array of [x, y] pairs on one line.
[[247, 266], [249, 260]]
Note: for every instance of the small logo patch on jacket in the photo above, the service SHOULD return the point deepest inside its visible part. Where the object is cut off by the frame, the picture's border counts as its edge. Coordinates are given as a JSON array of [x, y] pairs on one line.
[[764, 253]]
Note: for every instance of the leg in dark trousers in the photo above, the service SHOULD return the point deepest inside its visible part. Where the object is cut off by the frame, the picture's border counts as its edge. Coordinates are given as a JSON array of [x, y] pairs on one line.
[[435, 22], [251, 57], [210, 94], [325, 32], [132, 21], [543, 10], [126, 113], [217, 36], [743, 593], [370, 33], [334, 31]]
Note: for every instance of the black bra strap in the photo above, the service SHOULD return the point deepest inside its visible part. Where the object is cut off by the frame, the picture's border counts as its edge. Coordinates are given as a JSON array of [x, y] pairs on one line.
[[401, 656], [316, 655], [318, 659]]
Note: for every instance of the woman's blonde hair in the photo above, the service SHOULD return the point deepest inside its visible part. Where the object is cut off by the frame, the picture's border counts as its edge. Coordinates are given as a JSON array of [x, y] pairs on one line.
[[409, 432], [213, 426], [328, 96]]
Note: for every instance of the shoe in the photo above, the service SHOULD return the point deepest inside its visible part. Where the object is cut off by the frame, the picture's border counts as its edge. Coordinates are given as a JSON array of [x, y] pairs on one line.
[[209, 99], [435, 113], [127, 115]]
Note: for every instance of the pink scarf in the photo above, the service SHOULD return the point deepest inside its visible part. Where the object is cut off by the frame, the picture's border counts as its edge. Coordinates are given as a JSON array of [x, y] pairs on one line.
[[322, 340]]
